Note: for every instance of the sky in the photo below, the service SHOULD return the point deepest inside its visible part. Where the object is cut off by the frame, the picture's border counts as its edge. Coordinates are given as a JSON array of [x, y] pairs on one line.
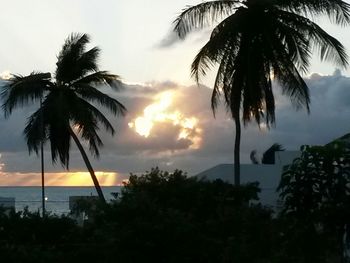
[[169, 122]]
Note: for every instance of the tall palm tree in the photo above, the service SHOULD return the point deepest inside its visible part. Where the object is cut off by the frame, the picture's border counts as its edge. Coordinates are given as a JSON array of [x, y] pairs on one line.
[[256, 43], [66, 110]]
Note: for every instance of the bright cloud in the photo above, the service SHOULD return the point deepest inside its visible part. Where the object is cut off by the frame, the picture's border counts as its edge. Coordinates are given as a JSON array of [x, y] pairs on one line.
[[5, 75], [2, 165], [160, 111]]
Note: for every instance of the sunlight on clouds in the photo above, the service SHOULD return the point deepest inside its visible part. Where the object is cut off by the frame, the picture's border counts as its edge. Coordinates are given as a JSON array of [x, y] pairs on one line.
[[84, 178], [263, 127], [153, 113], [60, 179], [160, 112], [1, 164], [5, 75]]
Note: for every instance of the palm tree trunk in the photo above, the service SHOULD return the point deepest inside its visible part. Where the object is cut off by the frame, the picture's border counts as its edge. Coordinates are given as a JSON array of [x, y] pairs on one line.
[[237, 168], [42, 159], [88, 165]]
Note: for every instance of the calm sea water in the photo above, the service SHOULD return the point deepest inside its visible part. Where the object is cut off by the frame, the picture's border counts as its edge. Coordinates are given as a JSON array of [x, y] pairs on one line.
[[57, 197]]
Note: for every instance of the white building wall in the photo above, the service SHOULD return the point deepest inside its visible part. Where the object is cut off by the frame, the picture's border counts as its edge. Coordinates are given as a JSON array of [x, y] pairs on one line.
[[268, 175], [286, 157]]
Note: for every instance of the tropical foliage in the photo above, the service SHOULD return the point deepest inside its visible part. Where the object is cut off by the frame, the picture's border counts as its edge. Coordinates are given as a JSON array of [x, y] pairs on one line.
[[167, 217], [68, 101], [256, 43], [315, 189], [269, 155]]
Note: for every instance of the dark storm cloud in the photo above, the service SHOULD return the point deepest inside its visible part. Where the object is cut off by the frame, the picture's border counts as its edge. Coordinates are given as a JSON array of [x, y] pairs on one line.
[[129, 152]]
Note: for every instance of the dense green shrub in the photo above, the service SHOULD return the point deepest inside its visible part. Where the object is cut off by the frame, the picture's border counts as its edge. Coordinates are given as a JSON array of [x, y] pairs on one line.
[[315, 189], [168, 217], [159, 217], [27, 237]]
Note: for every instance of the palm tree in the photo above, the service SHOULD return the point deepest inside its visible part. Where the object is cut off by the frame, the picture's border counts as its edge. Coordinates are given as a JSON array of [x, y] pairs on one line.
[[67, 108], [269, 155], [256, 43]]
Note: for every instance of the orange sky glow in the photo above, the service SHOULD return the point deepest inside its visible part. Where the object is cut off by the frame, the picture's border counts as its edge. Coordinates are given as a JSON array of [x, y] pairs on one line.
[[60, 179]]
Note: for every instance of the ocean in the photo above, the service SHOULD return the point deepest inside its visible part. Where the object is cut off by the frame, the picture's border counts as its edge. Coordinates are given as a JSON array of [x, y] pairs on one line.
[[57, 198]]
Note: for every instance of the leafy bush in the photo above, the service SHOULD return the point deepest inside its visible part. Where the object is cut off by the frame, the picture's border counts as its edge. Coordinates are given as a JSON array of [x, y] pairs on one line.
[[27, 237], [167, 217], [316, 191]]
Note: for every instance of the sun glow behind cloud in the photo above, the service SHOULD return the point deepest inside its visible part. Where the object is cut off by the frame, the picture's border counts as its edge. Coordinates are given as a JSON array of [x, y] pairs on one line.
[[60, 179], [84, 178], [161, 111], [5, 75]]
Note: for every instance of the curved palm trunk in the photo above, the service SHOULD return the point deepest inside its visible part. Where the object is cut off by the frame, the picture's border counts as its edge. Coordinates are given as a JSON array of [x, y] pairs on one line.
[[237, 167], [88, 165]]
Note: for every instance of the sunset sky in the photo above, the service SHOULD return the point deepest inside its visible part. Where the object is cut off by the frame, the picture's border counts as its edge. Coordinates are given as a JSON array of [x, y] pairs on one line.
[[169, 122]]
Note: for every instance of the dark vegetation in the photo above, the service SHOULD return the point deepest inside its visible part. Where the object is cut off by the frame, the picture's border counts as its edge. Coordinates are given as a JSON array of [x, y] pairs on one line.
[[168, 217]]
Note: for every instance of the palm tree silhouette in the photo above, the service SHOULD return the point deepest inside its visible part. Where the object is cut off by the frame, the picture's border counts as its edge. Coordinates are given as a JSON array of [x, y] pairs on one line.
[[258, 42], [66, 109], [269, 155]]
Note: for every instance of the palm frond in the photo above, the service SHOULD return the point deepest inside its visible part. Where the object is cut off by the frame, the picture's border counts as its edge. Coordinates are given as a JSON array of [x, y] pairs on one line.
[[220, 49], [338, 11], [234, 82], [34, 132], [87, 62], [330, 49], [292, 83], [86, 118], [203, 61], [22, 90], [73, 62], [87, 126], [76, 41], [296, 43], [56, 123], [98, 116], [221, 81], [203, 14], [224, 41], [101, 78], [88, 133], [269, 101], [51, 126], [59, 137], [92, 94], [215, 96]]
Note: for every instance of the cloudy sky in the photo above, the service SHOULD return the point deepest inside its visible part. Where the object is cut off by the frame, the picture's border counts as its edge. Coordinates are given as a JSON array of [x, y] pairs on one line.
[[169, 122]]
